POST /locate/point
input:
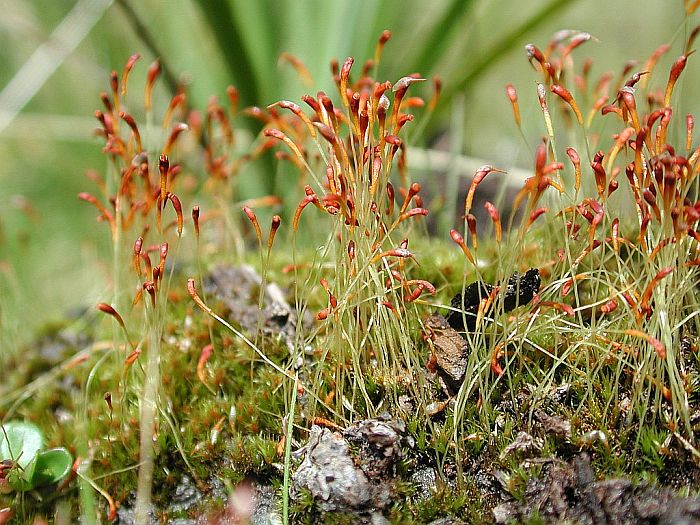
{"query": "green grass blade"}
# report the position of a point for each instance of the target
(234, 49)
(443, 34)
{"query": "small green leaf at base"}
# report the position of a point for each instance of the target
(20, 442)
(51, 466)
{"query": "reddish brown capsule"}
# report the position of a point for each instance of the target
(174, 134)
(202, 362)
(479, 176)
(437, 90)
(496, 219)
(459, 240)
(533, 53)
(138, 244)
(609, 306)
(108, 400)
(195, 220)
(109, 310)
(566, 96)
(535, 214)
(163, 168)
(616, 234)
(412, 213)
(576, 161)
(471, 225)
(390, 197)
(676, 70)
(299, 66)
(177, 206)
(513, 97)
(415, 294)
(176, 101)
(276, 221)
(233, 98)
(297, 214)
(665, 272)
(689, 125)
(163, 255)
(192, 290)
(150, 287)
(152, 75)
(254, 220)
(413, 190)
(127, 69)
(344, 78)
(655, 343)
(134, 129)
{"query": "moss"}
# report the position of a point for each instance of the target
(462, 502)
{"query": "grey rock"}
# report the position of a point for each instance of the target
(447, 521)
(554, 425)
(352, 471)
(238, 289)
(568, 493)
(379, 444)
(329, 473)
(126, 514)
(524, 443)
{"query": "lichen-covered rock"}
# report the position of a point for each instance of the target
(379, 444)
(447, 521)
(329, 473)
(554, 425)
(425, 482)
(568, 493)
(351, 471)
(523, 443)
(238, 289)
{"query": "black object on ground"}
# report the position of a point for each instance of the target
(519, 291)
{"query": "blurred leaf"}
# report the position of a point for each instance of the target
(444, 32)
(238, 52)
(472, 66)
(252, 35)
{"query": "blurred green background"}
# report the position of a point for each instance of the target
(56, 55)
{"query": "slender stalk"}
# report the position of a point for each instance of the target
(149, 409)
(288, 452)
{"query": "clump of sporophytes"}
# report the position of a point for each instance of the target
(141, 185)
(625, 281)
(347, 152)
(138, 190)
